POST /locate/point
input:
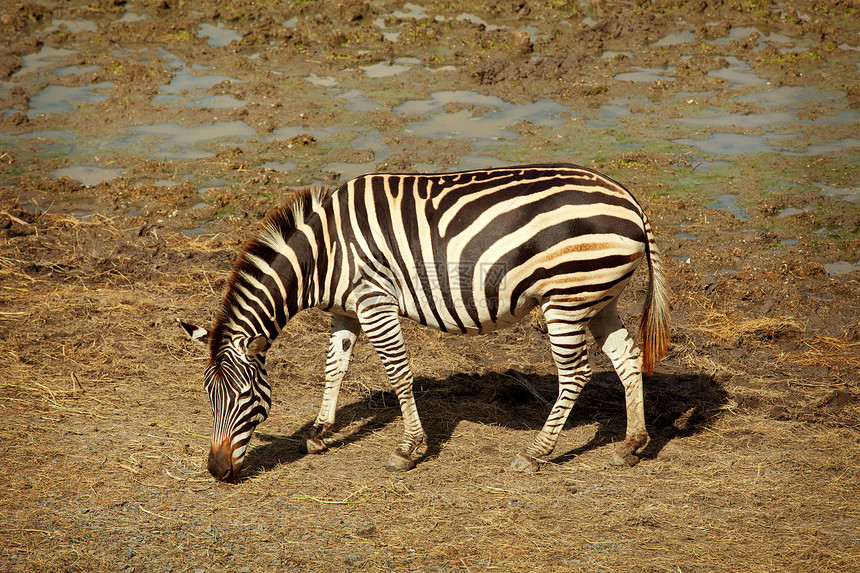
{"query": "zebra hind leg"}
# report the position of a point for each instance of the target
(344, 331)
(613, 338)
(567, 338)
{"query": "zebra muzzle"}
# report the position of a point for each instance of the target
(221, 464)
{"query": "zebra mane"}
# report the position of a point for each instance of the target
(274, 230)
(283, 220)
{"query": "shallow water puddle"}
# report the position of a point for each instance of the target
(472, 19)
(785, 96)
(184, 81)
(745, 120)
(726, 202)
(44, 136)
(218, 35)
(349, 171)
(388, 69)
(281, 166)
(325, 81)
(73, 26)
(86, 175)
(131, 17)
(738, 73)
(784, 107)
(841, 268)
(163, 141)
(357, 102)
(675, 39)
(734, 143)
(851, 194)
(415, 12)
(465, 123)
(742, 34)
(371, 140)
(610, 113)
(45, 57)
(480, 162)
(218, 102)
(849, 143)
(290, 131)
(74, 70)
(172, 141)
(646, 75)
(844, 118)
(409, 12)
(59, 99)
(609, 54)
(792, 211)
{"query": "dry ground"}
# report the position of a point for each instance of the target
(752, 463)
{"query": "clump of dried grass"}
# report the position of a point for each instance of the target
(728, 328)
(836, 353)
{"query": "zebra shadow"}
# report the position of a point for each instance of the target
(377, 411)
(676, 405)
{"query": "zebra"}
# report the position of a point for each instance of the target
(463, 252)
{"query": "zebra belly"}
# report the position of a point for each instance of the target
(485, 323)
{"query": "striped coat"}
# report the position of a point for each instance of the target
(462, 252)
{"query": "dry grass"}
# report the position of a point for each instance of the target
(737, 329)
(106, 429)
(841, 355)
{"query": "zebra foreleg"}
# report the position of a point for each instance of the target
(382, 326)
(567, 338)
(413, 436)
(613, 338)
(344, 331)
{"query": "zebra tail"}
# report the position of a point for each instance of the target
(654, 328)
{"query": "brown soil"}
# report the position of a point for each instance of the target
(754, 415)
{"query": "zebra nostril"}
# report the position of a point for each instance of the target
(220, 465)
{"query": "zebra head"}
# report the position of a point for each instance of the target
(240, 395)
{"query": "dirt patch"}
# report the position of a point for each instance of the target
(753, 416)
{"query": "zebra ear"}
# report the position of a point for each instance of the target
(256, 345)
(195, 333)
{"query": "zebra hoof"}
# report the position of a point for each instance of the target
(399, 463)
(313, 445)
(524, 464)
(628, 460)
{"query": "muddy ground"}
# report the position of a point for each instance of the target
(140, 142)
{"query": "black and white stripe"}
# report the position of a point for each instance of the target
(463, 252)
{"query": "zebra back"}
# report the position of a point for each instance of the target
(474, 251)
